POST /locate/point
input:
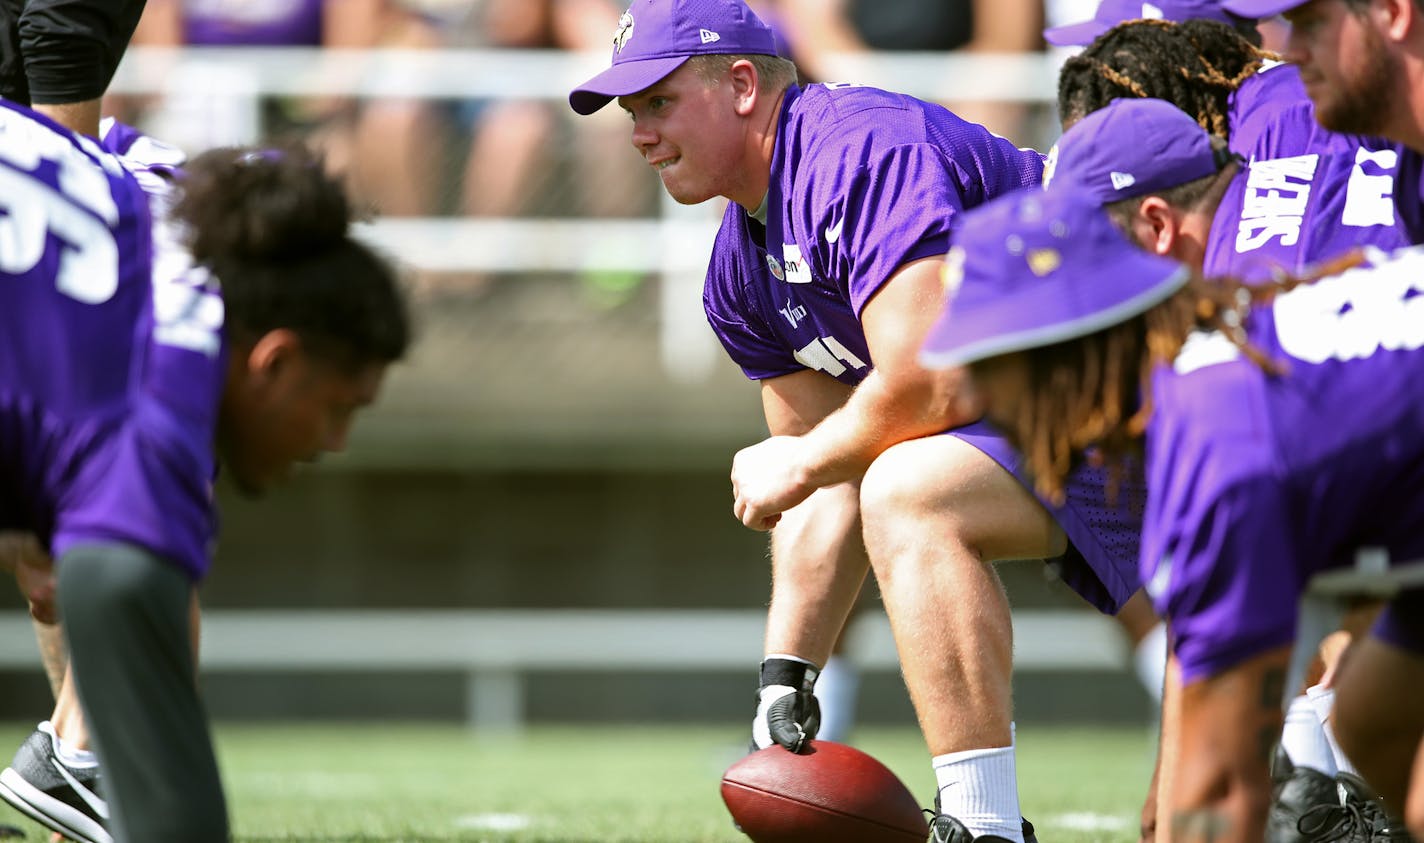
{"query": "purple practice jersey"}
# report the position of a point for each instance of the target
(864, 181)
(1409, 195)
(1287, 213)
(1260, 481)
(111, 353)
(1271, 116)
(273, 23)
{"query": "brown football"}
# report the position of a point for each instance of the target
(831, 793)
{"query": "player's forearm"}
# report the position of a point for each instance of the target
(880, 413)
(1221, 790)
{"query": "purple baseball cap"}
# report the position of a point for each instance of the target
(1260, 8)
(1034, 268)
(1133, 147)
(1110, 13)
(655, 37)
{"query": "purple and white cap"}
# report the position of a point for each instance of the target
(1110, 13)
(1133, 147)
(1034, 268)
(655, 37)
(1261, 8)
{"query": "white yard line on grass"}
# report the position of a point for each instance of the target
(493, 822)
(1086, 821)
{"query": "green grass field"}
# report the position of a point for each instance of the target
(391, 782)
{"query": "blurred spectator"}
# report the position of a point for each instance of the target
(819, 29)
(526, 156)
(385, 147)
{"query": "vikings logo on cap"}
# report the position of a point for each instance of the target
(623, 33)
(1043, 261)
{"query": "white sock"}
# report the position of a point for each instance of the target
(1149, 661)
(70, 755)
(1323, 700)
(1303, 737)
(836, 691)
(979, 787)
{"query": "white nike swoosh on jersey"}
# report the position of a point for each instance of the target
(833, 232)
(92, 799)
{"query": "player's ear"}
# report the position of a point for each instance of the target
(1155, 225)
(1396, 19)
(272, 354)
(743, 75)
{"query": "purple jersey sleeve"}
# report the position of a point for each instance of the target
(883, 182)
(112, 358)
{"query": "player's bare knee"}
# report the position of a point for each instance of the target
(893, 489)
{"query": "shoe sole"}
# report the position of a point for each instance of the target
(49, 812)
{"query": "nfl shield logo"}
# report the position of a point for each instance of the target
(775, 266)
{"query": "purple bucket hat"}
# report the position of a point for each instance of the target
(1034, 268)
(655, 37)
(1133, 147)
(1110, 13)
(1261, 8)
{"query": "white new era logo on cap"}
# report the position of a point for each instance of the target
(1121, 181)
(708, 36)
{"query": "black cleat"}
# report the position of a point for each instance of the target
(1382, 827)
(1297, 791)
(50, 792)
(947, 829)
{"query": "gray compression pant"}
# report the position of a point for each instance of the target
(125, 615)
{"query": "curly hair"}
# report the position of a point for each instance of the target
(1196, 65)
(274, 228)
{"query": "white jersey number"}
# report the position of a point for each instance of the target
(828, 355)
(1358, 313)
(78, 214)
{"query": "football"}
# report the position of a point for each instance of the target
(832, 793)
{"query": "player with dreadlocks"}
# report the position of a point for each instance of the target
(1220, 389)
(1232, 87)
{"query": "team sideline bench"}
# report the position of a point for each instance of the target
(494, 648)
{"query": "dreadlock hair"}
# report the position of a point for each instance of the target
(274, 228)
(1093, 393)
(1196, 65)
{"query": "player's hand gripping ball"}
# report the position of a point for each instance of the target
(827, 793)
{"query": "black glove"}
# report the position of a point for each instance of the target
(787, 711)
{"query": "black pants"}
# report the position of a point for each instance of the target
(125, 616)
(62, 51)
